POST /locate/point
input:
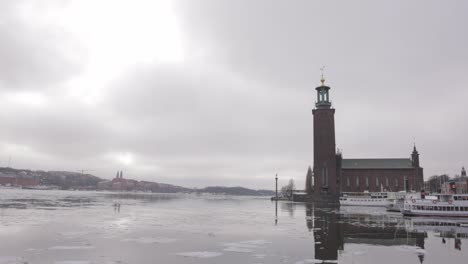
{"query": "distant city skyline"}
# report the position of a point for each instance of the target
(220, 92)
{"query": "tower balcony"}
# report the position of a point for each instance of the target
(323, 104)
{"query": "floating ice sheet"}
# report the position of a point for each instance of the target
(70, 247)
(200, 254)
(150, 240)
(12, 260)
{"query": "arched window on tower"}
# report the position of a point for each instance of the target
(386, 182)
(396, 183)
(347, 182)
(357, 181)
(325, 176)
(367, 182)
(377, 181)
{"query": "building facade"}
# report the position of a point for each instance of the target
(332, 174)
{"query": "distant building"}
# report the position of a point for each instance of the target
(455, 187)
(463, 172)
(18, 178)
(332, 174)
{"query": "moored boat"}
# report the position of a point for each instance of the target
(395, 201)
(443, 205)
(364, 199)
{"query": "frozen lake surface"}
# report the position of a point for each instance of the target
(71, 227)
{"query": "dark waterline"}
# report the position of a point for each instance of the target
(90, 227)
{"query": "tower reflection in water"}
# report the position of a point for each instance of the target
(333, 230)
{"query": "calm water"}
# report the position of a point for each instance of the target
(88, 227)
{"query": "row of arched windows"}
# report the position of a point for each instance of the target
(386, 182)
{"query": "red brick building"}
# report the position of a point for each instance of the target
(375, 175)
(332, 174)
(17, 181)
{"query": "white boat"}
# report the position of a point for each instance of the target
(364, 199)
(395, 201)
(444, 205)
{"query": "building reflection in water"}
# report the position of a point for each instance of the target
(328, 233)
(444, 228)
(332, 229)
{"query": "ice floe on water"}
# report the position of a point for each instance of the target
(259, 256)
(32, 249)
(245, 246)
(150, 240)
(73, 262)
(238, 249)
(12, 260)
(73, 234)
(248, 244)
(71, 247)
(200, 254)
(413, 249)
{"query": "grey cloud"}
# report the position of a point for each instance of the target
(238, 109)
(34, 56)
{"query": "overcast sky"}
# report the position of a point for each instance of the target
(200, 93)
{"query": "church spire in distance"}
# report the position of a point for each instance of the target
(415, 157)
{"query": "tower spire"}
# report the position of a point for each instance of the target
(322, 79)
(323, 98)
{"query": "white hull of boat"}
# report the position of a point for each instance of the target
(350, 201)
(445, 207)
(378, 199)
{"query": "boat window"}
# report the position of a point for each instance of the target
(456, 208)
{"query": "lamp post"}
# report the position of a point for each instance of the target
(276, 178)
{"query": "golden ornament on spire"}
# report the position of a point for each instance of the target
(322, 80)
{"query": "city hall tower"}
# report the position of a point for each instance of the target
(325, 165)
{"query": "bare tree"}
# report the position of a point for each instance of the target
(288, 189)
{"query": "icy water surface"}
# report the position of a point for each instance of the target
(65, 227)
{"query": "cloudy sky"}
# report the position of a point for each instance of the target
(217, 92)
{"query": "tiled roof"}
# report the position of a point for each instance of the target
(376, 164)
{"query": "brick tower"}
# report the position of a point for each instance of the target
(325, 171)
